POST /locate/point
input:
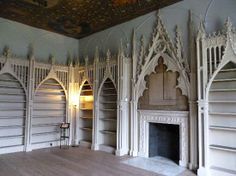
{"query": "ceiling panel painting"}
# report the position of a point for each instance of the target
(77, 18)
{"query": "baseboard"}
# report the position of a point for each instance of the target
(133, 153)
(122, 152)
(202, 172)
(28, 148)
(45, 145)
(218, 171)
(95, 147)
(183, 163)
(85, 144)
(108, 149)
(192, 166)
(12, 149)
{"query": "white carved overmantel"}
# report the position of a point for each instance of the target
(144, 64)
(165, 117)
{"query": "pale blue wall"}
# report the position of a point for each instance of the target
(214, 12)
(18, 37)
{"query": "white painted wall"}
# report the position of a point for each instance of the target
(214, 13)
(18, 37)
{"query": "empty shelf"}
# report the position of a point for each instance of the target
(11, 137)
(108, 132)
(223, 113)
(222, 101)
(87, 90)
(222, 90)
(223, 128)
(225, 80)
(12, 117)
(86, 129)
(12, 87)
(45, 133)
(85, 143)
(223, 170)
(223, 148)
(228, 70)
(87, 118)
(13, 109)
(108, 102)
(109, 88)
(12, 126)
(109, 94)
(107, 109)
(86, 109)
(12, 101)
(108, 119)
(47, 109)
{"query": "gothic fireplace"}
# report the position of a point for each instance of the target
(164, 133)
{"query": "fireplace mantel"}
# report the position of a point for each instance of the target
(165, 117)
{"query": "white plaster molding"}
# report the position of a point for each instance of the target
(160, 46)
(165, 117)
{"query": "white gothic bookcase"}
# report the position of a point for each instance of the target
(216, 55)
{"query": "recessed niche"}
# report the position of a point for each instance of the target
(161, 92)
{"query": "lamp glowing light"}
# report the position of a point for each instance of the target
(75, 100)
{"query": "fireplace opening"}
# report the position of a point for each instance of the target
(164, 141)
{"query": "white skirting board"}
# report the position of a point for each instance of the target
(12, 149)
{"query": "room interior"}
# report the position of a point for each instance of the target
(145, 86)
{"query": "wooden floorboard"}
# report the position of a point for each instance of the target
(63, 162)
(67, 162)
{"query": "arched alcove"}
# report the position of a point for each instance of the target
(221, 127)
(107, 117)
(86, 115)
(12, 113)
(49, 110)
(161, 92)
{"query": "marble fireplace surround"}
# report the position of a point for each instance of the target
(165, 117)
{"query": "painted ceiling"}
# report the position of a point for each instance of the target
(77, 18)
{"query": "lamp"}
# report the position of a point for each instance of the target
(75, 100)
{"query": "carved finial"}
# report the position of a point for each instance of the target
(30, 51)
(121, 46)
(134, 45)
(108, 56)
(78, 63)
(201, 30)
(96, 55)
(86, 61)
(178, 44)
(76, 60)
(69, 59)
(228, 26)
(7, 51)
(190, 15)
(51, 59)
(159, 21)
(158, 14)
(190, 21)
(121, 49)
